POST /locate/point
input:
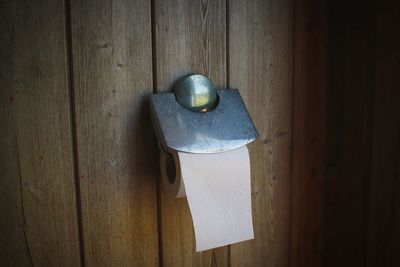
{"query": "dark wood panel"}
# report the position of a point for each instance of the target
(260, 67)
(190, 37)
(361, 222)
(111, 47)
(350, 98)
(384, 202)
(308, 137)
(38, 224)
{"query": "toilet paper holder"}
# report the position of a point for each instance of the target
(225, 125)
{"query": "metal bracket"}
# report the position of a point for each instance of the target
(228, 126)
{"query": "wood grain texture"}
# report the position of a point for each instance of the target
(189, 37)
(260, 66)
(384, 217)
(308, 137)
(361, 217)
(111, 46)
(350, 109)
(38, 224)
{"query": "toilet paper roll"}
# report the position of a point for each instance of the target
(218, 190)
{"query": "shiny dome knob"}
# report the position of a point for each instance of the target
(196, 92)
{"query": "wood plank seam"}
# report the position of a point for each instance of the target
(227, 56)
(75, 158)
(292, 19)
(158, 178)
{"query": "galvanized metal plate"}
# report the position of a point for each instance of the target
(225, 128)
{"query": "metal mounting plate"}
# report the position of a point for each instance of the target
(225, 128)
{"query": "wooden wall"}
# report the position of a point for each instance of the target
(308, 137)
(361, 206)
(345, 134)
(38, 198)
(79, 176)
(79, 163)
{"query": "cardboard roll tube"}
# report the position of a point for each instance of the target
(171, 174)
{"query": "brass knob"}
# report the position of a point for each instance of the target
(196, 92)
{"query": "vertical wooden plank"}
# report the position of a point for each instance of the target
(260, 66)
(384, 221)
(38, 224)
(350, 106)
(308, 137)
(111, 46)
(190, 37)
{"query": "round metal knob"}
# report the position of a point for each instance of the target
(196, 92)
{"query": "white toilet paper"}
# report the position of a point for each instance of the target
(218, 190)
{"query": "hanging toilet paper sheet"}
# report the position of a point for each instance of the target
(218, 190)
